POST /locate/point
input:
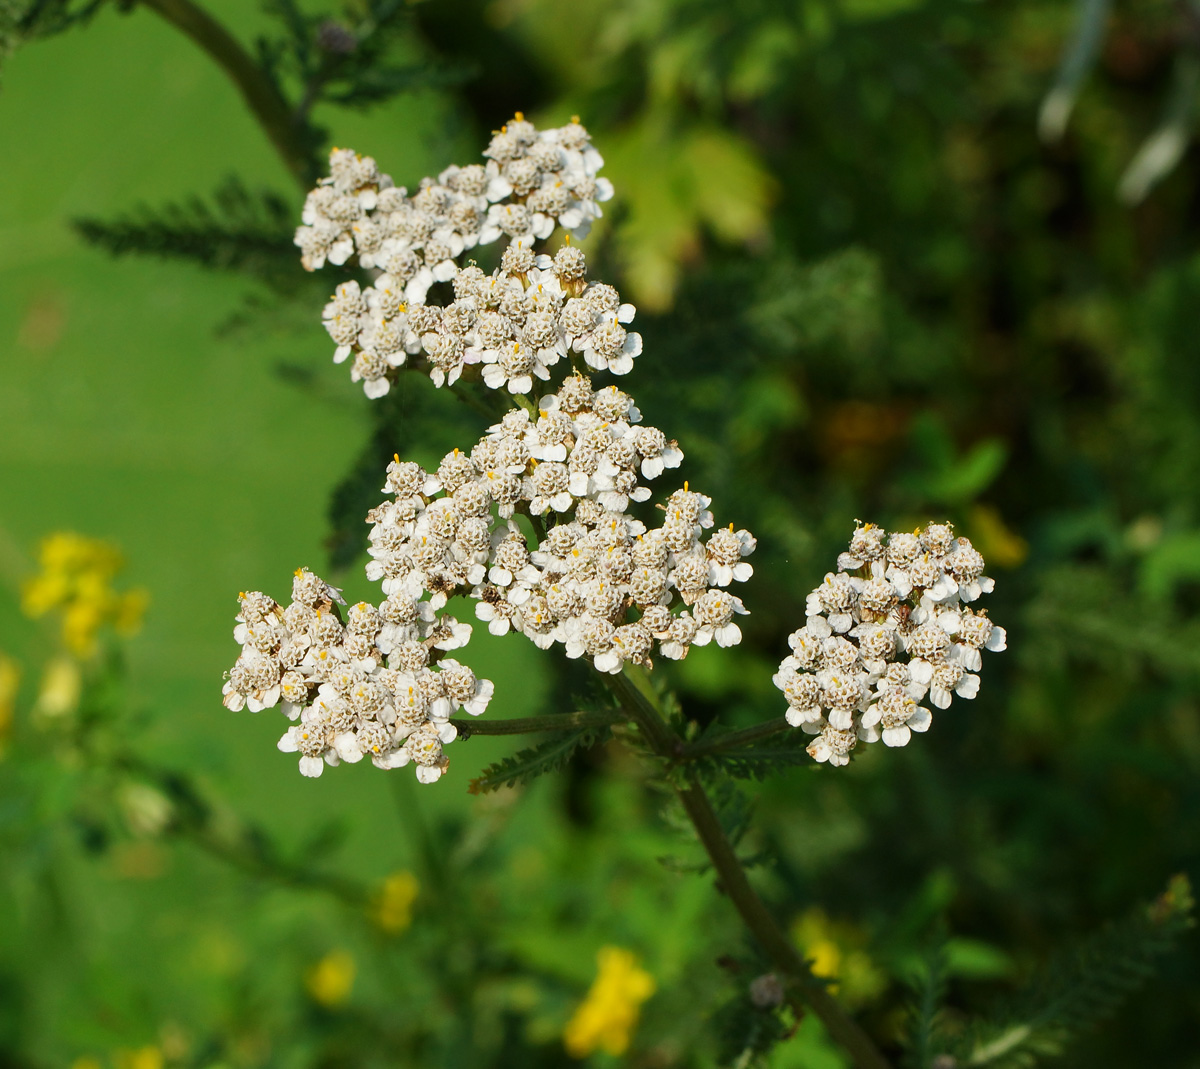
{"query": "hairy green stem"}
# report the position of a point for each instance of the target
(531, 725)
(260, 93)
(635, 692)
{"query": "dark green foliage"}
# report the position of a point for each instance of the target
(1081, 988)
(760, 759)
(42, 18)
(528, 764)
(360, 490)
(22, 21)
(944, 316)
(747, 1033)
(928, 985)
(734, 810)
(413, 415)
(352, 59)
(235, 230)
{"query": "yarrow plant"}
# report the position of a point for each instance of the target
(539, 521)
(515, 323)
(331, 678)
(562, 522)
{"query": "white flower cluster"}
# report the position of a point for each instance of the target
(534, 521)
(533, 181)
(514, 323)
(329, 677)
(892, 626)
(573, 472)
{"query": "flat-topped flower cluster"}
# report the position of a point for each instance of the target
(536, 522)
(597, 581)
(892, 627)
(533, 522)
(328, 676)
(510, 326)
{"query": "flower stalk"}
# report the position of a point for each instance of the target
(533, 725)
(732, 740)
(634, 691)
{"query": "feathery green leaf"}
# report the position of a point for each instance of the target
(1082, 987)
(536, 761)
(239, 230)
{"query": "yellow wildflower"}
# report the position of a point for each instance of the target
(66, 551)
(392, 907)
(129, 609)
(834, 952)
(605, 1020)
(76, 578)
(62, 684)
(330, 980)
(10, 678)
(143, 1058)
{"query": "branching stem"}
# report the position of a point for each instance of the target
(733, 739)
(284, 128)
(532, 725)
(245, 848)
(637, 696)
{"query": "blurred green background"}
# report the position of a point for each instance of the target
(867, 290)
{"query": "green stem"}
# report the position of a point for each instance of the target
(731, 740)
(529, 725)
(260, 93)
(769, 935)
(637, 695)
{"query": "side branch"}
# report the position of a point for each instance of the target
(532, 725)
(259, 92)
(731, 740)
(247, 850)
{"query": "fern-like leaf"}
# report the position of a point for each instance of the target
(746, 1033)
(925, 1010)
(1082, 988)
(239, 230)
(536, 761)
